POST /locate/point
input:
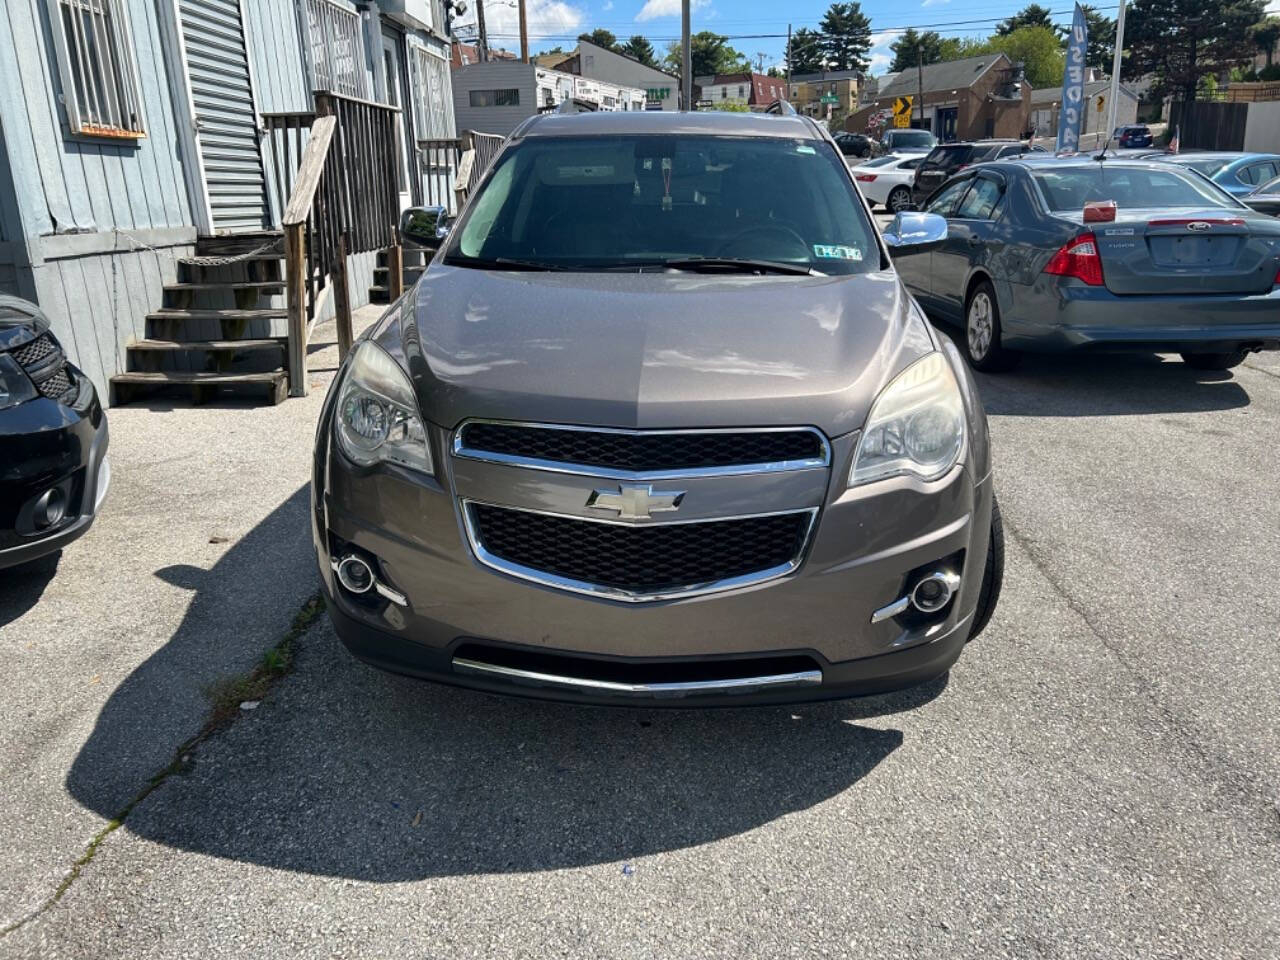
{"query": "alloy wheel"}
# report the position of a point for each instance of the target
(979, 326)
(899, 198)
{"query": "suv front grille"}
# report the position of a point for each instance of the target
(603, 451)
(638, 562)
(46, 365)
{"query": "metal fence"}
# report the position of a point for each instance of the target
(334, 42)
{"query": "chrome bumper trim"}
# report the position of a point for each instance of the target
(387, 593)
(892, 610)
(681, 689)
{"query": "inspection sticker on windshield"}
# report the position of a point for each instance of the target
(825, 251)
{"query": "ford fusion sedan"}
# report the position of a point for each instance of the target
(660, 424)
(1053, 254)
(53, 440)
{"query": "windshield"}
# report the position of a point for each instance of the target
(948, 158)
(912, 138)
(1208, 166)
(1270, 189)
(881, 161)
(630, 202)
(1131, 187)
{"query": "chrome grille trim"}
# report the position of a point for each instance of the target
(460, 449)
(672, 689)
(558, 582)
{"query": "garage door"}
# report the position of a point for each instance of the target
(226, 126)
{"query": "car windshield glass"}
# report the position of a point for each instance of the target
(948, 158)
(631, 202)
(1130, 187)
(1270, 189)
(912, 138)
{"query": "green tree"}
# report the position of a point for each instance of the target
(1032, 15)
(806, 51)
(710, 53)
(1038, 48)
(957, 48)
(601, 38)
(1181, 41)
(846, 36)
(1266, 35)
(1102, 40)
(912, 48)
(640, 49)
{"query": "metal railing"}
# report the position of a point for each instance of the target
(334, 42)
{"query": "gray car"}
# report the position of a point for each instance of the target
(660, 424)
(1046, 254)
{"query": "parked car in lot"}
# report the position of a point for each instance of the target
(53, 440)
(1132, 136)
(947, 159)
(1265, 199)
(660, 423)
(887, 180)
(855, 144)
(906, 141)
(1053, 254)
(1237, 173)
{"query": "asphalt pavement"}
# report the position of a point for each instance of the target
(1097, 776)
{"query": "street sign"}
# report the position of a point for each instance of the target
(829, 98)
(902, 111)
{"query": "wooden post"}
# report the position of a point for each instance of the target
(295, 257)
(341, 299)
(395, 271)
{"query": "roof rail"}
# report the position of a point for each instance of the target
(782, 108)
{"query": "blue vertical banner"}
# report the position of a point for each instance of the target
(1071, 115)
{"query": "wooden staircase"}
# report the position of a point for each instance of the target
(416, 259)
(221, 326)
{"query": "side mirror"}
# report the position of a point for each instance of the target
(425, 226)
(913, 232)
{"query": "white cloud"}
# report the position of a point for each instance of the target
(879, 63)
(882, 38)
(547, 18)
(653, 9)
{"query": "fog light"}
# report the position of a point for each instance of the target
(935, 591)
(50, 508)
(355, 575)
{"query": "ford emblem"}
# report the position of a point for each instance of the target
(1198, 225)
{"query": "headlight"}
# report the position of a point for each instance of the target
(377, 415)
(15, 386)
(916, 426)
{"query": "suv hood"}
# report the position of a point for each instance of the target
(654, 350)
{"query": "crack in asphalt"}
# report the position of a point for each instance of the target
(182, 758)
(1223, 775)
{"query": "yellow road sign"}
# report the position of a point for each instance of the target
(902, 106)
(902, 119)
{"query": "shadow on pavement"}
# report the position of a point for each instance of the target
(349, 772)
(22, 586)
(1105, 385)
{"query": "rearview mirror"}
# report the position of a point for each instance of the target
(425, 226)
(912, 232)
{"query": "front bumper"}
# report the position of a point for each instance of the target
(45, 444)
(866, 543)
(1090, 317)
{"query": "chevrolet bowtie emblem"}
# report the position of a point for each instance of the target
(635, 501)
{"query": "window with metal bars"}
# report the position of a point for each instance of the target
(335, 41)
(432, 94)
(100, 88)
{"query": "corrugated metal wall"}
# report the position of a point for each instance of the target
(218, 65)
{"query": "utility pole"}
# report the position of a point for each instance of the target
(482, 36)
(686, 57)
(760, 62)
(524, 34)
(920, 81)
(1115, 78)
(788, 61)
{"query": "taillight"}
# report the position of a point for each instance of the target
(1078, 258)
(865, 177)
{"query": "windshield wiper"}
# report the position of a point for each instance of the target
(502, 263)
(739, 265)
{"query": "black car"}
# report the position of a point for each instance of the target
(53, 440)
(946, 159)
(1133, 135)
(855, 144)
(1266, 199)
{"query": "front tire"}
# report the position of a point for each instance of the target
(992, 574)
(1215, 361)
(982, 331)
(899, 197)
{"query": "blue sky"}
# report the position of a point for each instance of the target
(557, 22)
